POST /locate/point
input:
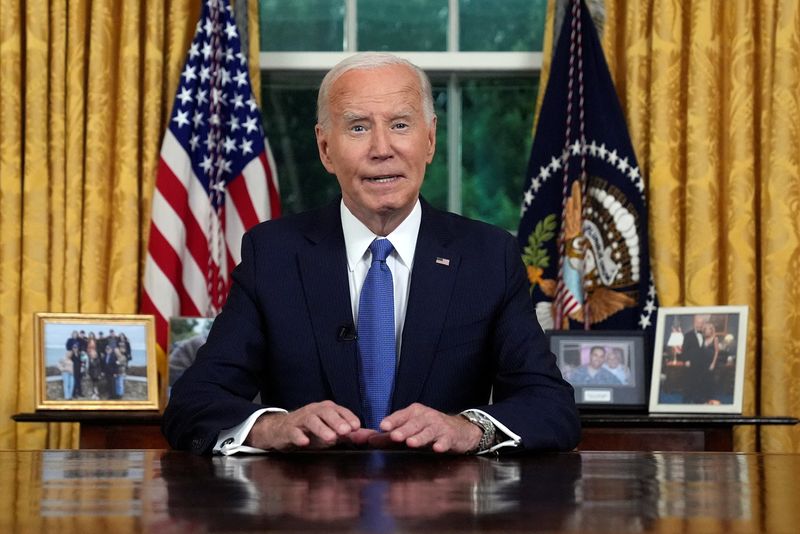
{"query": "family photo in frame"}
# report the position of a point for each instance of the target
(95, 362)
(699, 360)
(606, 369)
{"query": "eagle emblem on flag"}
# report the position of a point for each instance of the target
(583, 229)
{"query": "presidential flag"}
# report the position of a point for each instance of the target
(216, 177)
(583, 229)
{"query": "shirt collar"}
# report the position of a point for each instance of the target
(357, 237)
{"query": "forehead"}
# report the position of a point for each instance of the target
(392, 86)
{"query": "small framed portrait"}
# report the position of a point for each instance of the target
(698, 360)
(606, 369)
(186, 336)
(95, 362)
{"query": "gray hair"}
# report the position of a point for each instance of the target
(368, 61)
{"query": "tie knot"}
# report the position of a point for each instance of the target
(380, 249)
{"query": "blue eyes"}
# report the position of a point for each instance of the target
(359, 128)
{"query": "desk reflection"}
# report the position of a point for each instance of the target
(374, 492)
(172, 492)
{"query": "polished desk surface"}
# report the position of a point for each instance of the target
(119, 491)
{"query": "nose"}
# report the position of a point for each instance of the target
(381, 144)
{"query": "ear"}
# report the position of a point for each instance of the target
(431, 140)
(323, 146)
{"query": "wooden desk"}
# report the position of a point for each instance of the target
(666, 432)
(616, 432)
(107, 430)
(159, 491)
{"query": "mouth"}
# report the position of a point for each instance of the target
(383, 179)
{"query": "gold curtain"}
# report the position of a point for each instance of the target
(709, 90)
(86, 87)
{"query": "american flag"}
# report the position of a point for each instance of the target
(216, 177)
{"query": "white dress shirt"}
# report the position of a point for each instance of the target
(357, 239)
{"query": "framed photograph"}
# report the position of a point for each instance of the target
(606, 369)
(698, 360)
(95, 362)
(186, 335)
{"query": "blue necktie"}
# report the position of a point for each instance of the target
(376, 336)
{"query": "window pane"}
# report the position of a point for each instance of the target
(409, 25)
(435, 187)
(497, 119)
(289, 108)
(507, 26)
(302, 25)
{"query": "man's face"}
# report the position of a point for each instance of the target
(613, 359)
(699, 321)
(377, 142)
(597, 357)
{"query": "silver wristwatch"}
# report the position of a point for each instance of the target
(488, 439)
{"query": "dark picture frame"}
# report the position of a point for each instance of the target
(704, 374)
(607, 369)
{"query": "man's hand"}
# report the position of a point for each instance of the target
(315, 426)
(418, 426)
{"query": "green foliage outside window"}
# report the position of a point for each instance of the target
(496, 112)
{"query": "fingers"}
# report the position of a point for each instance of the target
(298, 438)
(358, 437)
(420, 426)
(317, 425)
(325, 421)
(324, 424)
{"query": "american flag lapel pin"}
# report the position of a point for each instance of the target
(443, 261)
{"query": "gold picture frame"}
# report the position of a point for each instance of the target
(95, 362)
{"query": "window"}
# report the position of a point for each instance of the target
(483, 58)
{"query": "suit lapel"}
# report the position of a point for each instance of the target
(432, 280)
(323, 268)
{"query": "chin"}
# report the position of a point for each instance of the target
(392, 204)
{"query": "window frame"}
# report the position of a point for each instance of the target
(451, 65)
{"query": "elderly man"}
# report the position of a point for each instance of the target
(378, 320)
(615, 364)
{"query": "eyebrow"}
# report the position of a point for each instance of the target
(353, 116)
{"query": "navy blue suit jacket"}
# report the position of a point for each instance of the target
(470, 330)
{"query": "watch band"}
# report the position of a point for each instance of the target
(489, 431)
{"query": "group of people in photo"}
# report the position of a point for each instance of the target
(606, 367)
(94, 366)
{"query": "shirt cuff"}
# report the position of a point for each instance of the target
(501, 431)
(231, 440)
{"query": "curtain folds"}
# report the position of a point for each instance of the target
(709, 90)
(86, 90)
